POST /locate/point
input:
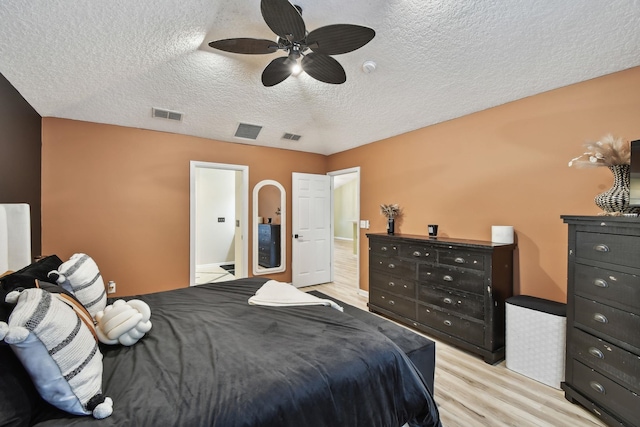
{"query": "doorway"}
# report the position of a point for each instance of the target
(218, 222)
(346, 233)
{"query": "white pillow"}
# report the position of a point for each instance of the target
(58, 351)
(81, 277)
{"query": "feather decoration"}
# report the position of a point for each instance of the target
(609, 151)
(390, 211)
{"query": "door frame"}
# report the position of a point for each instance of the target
(244, 214)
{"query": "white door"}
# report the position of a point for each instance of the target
(311, 225)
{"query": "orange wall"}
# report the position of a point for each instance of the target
(502, 166)
(121, 195)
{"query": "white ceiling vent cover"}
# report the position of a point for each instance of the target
(248, 131)
(166, 114)
(291, 136)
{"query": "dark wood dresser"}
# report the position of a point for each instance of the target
(269, 245)
(451, 289)
(603, 317)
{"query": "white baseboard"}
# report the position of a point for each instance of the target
(363, 293)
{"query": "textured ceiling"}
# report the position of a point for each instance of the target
(112, 61)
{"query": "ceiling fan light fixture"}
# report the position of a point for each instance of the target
(296, 69)
(285, 20)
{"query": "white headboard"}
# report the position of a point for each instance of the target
(15, 236)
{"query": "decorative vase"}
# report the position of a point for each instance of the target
(616, 199)
(391, 226)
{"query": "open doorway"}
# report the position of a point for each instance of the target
(346, 215)
(219, 217)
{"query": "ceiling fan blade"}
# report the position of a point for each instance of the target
(277, 71)
(245, 45)
(324, 68)
(284, 19)
(339, 38)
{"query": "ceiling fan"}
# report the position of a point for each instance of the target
(286, 21)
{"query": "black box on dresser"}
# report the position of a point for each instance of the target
(603, 317)
(451, 289)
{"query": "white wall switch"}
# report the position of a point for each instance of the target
(364, 223)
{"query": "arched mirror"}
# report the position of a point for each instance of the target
(269, 225)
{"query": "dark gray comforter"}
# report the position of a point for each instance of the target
(211, 359)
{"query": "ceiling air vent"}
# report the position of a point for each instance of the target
(166, 114)
(291, 136)
(248, 131)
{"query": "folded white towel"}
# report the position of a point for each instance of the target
(279, 294)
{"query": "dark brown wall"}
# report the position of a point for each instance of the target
(20, 155)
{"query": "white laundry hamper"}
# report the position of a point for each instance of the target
(536, 338)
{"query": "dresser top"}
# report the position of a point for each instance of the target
(626, 220)
(444, 241)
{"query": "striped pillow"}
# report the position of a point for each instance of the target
(80, 276)
(58, 351)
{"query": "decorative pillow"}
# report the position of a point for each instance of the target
(58, 351)
(25, 278)
(123, 322)
(80, 275)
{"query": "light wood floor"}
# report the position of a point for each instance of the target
(468, 391)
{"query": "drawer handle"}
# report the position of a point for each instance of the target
(596, 353)
(391, 302)
(448, 278)
(392, 284)
(447, 301)
(597, 387)
(601, 283)
(383, 249)
(601, 248)
(600, 318)
(416, 253)
(459, 260)
(392, 266)
(448, 323)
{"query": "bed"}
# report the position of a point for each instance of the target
(211, 359)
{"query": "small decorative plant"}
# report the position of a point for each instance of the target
(614, 153)
(609, 151)
(390, 211)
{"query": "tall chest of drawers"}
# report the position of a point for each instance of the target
(602, 370)
(269, 245)
(452, 289)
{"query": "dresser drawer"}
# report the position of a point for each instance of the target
(393, 266)
(471, 305)
(394, 303)
(418, 252)
(383, 248)
(607, 393)
(610, 248)
(606, 358)
(609, 321)
(448, 323)
(465, 280)
(462, 259)
(602, 284)
(394, 285)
